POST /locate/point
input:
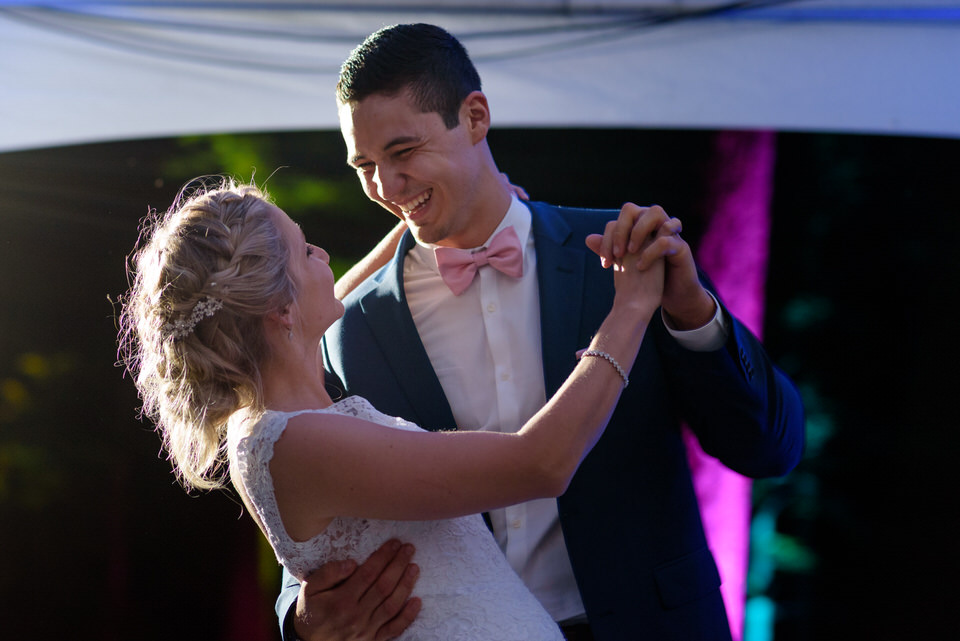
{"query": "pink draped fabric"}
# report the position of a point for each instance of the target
(734, 252)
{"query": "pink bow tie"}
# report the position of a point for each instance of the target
(459, 266)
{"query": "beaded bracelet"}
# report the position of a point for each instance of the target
(612, 361)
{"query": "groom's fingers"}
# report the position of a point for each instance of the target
(384, 571)
(367, 601)
(328, 604)
(328, 576)
(388, 597)
(401, 621)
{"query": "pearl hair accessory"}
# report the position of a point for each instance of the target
(205, 307)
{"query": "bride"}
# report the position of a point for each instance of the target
(221, 331)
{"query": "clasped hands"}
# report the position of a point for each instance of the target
(372, 600)
(650, 234)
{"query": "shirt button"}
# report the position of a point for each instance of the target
(516, 523)
(491, 307)
(504, 377)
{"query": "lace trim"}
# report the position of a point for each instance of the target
(468, 589)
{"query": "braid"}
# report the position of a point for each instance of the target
(194, 370)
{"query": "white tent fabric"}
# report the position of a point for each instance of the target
(75, 72)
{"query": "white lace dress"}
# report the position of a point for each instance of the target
(469, 592)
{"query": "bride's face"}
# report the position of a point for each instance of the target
(309, 268)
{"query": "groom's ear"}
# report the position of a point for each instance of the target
(475, 115)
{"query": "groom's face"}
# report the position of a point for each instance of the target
(411, 164)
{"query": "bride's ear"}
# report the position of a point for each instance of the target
(282, 318)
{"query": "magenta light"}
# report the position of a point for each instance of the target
(734, 251)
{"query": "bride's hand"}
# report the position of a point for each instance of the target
(639, 282)
(685, 302)
(638, 274)
(516, 190)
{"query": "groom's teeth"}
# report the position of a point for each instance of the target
(410, 206)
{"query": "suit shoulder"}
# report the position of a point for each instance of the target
(580, 221)
(369, 284)
(582, 215)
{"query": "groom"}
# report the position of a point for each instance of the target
(622, 554)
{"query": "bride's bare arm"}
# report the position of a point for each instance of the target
(366, 266)
(331, 465)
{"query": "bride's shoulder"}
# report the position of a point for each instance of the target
(246, 425)
(353, 406)
(270, 424)
(362, 408)
(247, 422)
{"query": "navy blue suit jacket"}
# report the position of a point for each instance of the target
(630, 515)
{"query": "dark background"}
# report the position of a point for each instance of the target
(98, 542)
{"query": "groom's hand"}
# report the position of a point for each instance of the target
(370, 602)
(686, 302)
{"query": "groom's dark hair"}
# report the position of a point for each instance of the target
(423, 58)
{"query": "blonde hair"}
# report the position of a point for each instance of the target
(219, 244)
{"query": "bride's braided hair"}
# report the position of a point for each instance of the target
(194, 361)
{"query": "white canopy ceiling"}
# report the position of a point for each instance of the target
(76, 72)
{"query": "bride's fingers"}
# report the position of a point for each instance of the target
(625, 233)
(594, 242)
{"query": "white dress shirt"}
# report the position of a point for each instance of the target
(484, 346)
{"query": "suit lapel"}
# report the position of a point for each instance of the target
(389, 319)
(560, 273)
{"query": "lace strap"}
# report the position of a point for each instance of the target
(253, 455)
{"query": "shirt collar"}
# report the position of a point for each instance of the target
(517, 215)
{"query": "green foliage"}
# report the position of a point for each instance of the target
(305, 176)
(29, 478)
(804, 312)
(31, 470)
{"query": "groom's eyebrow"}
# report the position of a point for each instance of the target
(399, 140)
